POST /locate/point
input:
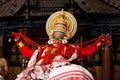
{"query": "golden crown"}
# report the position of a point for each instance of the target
(62, 18)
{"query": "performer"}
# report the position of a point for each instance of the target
(52, 61)
(3, 67)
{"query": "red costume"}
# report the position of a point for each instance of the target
(70, 49)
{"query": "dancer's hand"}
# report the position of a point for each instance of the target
(107, 39)
(17, 36)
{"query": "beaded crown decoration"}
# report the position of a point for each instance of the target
(61, 24)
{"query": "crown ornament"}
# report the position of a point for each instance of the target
(61, 24)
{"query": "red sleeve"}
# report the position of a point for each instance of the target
(87, 51)
(26, 51)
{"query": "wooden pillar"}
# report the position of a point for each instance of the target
(1, 46)
(107, 63)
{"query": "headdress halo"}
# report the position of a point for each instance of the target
(72, 28)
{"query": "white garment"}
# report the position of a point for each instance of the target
(60, 69)
(68, 72)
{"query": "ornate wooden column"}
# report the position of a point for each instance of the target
(107, 63)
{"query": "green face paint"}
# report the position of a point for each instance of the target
(58, 37)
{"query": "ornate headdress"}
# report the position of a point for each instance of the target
(66, 22)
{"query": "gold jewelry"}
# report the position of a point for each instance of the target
(20, 44)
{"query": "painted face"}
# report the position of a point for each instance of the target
(60, 28)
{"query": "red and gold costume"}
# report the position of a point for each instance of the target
(65, 50)
(60, 27)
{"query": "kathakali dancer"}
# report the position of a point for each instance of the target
(53, 61)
